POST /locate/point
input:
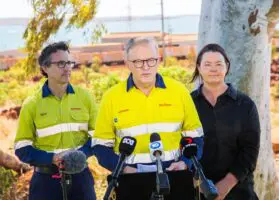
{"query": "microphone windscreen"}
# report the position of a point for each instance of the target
(154, 137)
(156, 146)
(74, 161)
(188, 147)
(127, 145)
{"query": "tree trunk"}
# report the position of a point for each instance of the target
(242, 28)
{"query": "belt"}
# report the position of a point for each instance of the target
(47, 170)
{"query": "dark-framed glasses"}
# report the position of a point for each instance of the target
(62, 64)
(151, 62)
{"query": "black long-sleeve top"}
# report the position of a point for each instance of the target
(231, 135)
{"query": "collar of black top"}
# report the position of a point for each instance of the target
(231, 91)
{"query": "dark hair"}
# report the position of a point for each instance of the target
(45, 57)
(210, 48)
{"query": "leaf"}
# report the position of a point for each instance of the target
(49, 15)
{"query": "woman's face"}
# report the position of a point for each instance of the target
(213, 68)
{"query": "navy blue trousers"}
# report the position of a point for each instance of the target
(44, 187)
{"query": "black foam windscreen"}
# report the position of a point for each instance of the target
(74, 161)
(188, 147)
(127, 145)
(154, 137)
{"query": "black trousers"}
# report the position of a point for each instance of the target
(44, 187)
(242, 191)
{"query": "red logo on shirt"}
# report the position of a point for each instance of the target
(75, 108)
(125, 110)
(164, 104)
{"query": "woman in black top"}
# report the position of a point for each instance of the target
(231, 126)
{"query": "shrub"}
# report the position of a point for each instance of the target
(178, 73)
(100, 85)
(171, 61)
(6, 180)
(96, 64)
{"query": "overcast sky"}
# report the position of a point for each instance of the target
(108, 8)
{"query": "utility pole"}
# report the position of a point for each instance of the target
(163, 32)
(129, 16)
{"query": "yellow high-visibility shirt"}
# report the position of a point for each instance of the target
(167, 110)
(55, 125)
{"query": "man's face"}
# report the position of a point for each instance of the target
(143, 62)
(59, 71)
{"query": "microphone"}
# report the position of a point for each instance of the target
(156, 150)
(126, 148)
(73, 162)
(156, 153)
(189, 150)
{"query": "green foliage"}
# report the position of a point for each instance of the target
(15, 92)
(96, 63)
(15, 86)
(6, 180)
(178, 73)
(16, 72)
(171, 61)
(98, 32)
(84, 75)
(100, 85)
(48, 17)
(4, 97)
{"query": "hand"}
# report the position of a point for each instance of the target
(129, 170)
(57, 158)
(176, 166)
(24, 168)
(225, 185)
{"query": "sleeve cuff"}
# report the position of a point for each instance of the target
(86, 149)
(188, 162)
(238, 173)
(34, 156)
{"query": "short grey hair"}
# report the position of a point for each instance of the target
(139, 40)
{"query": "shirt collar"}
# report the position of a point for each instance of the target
(159, 82)
(231, 91)
(47, 92)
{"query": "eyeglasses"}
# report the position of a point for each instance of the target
(62, 64)
(151, 62)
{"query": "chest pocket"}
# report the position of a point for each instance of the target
(46, 118)
(170, 112)
(79, 116)
(125, 118)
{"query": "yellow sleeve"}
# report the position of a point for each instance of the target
(192, 126)
(25, 134)
(92, 113)
(104, 130)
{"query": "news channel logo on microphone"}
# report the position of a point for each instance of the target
(155, 145)
(128, 141)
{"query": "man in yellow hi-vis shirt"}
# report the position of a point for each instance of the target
(144, 104)
(58, 118)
